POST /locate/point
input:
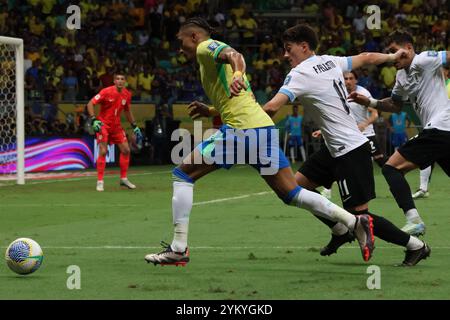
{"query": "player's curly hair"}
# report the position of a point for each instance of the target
(198, 22)
(300, 33)
(400, 37)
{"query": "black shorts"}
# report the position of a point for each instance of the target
(429, 146)
(374, 147)
(353, 173)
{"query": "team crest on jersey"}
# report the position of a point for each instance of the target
(97, 97)
(124, 102)
(288, 79)
(213, 46)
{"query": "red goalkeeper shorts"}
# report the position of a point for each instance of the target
(111, 135)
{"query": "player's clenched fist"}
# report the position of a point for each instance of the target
(358, 98)
(198, 109)
(96, 124)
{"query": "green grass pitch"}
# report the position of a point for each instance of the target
(249, 247)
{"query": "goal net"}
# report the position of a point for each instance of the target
(12, 136)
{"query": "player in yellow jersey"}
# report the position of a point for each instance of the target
(247, 136)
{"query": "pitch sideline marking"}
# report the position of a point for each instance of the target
(130, 205)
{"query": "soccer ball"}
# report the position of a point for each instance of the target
(24, 256)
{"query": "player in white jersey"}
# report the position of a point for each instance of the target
(318, 83)
(419, 79)
(425, 174)
(364, 116)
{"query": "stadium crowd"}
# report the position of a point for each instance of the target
(139, 36)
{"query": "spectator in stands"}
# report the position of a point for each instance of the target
(145, 80)
(359, 22)
(387, 77)
(107, 78)
(84, 84)
(70, 86)
(275, 76)
(364, 79)
(190, 88)
(249, 26)
(233, 31)
(266, 48)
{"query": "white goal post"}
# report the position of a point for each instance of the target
(12, 139)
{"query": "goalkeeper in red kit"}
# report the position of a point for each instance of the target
(108, 127)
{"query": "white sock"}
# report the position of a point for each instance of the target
(414, 243)
(339, 229)
(322, 207)
(412, 215)
(302, 150)
(425, 178)
(183, 197)
(292, 154)
(180, 235)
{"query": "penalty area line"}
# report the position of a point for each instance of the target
(232, 198)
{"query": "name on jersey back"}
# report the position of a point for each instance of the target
(322, 67)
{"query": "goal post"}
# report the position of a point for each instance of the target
(12, 99)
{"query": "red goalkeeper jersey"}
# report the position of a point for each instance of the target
(112, 102)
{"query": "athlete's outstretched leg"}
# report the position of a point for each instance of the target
(285, 186)
(394, 171)
(184, 177)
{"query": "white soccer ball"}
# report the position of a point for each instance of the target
(24, 256)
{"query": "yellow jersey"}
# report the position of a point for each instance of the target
(240, 112)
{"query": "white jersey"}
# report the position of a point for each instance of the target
(424, 85)
(318, 83)
(360, 112)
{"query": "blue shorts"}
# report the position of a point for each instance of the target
(295, 141)
(399, 139)
(258, 147)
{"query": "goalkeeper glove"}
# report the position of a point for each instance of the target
(137, 131)
(96, 124)
(138, 135)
